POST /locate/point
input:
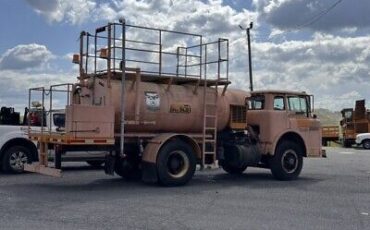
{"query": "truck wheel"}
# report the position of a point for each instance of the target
(366, 144)
(287, 162)
(14, 159)
(95, 164)
(175, 163)
(232, 169)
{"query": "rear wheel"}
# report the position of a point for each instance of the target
(366, 144)
(176, 163)
(15, 158)
(287, 162)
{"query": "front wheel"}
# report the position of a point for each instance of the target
(15, 158)
(287, 162)
(366, 144)
(176, 163)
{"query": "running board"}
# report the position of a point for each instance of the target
(41, 169)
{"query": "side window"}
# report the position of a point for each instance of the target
(298, 105)
(256, 102)
(279, 103)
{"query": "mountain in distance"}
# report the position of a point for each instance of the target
(328, 117)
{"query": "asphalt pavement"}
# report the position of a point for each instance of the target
(331, 193)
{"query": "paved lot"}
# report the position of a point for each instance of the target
(332, 193)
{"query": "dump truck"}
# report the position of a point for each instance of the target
(354, 121)
(161, 108)
(329, 133)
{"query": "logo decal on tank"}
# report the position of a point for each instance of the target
(180, 108)
(152, 101)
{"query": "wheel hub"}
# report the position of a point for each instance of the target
(17, 160)
(289, 161)
(177, 164)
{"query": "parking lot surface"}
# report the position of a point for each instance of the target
(331, 193)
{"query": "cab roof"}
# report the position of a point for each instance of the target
(286, 92)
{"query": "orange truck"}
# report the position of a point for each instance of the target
(354, 122)
(329, 133)
(161, 108)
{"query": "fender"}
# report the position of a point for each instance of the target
(287, 133)
(151, 150)
(9, 134)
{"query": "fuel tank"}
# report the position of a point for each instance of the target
(158, 107)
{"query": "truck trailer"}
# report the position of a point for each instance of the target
(161, 104)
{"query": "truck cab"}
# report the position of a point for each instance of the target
(283, 120)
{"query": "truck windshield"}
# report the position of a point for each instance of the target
(298, 104)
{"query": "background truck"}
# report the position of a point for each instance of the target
(176, 111)
(354, 121)
(329, 133)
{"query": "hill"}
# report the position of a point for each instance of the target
(328, 117)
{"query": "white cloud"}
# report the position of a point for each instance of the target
(73, 12)
(25, 57)
(291, 14)
(334, 68)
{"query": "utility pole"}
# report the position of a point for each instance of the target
(249, 54)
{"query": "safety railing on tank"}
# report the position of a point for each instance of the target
(156, 52)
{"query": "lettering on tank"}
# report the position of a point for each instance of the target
(180, 108)
(152, 101)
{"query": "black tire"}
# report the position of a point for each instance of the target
(95, 164)
(176, 163)
(287, 162)
(14, 159)
(366, 144)
(232, 169)
(128, 170)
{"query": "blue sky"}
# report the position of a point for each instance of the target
(317, 46)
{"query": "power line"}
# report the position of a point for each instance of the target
(309, 22)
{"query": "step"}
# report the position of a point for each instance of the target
(210, 141)
(210, 116)
(209, 153)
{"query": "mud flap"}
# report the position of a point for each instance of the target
(150, 175)
(109, 166)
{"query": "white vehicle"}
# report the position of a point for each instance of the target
(363, 139)
(16, 149)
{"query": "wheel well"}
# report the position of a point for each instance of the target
(20, 142)
(191, 142)
(367, 139)
(294, 137)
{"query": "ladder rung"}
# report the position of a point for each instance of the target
(211, 104)
(209, 153)
(210, 128)
(211, 116)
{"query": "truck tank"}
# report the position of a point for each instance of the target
(158, 107)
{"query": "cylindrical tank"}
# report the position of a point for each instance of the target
(160, 107)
